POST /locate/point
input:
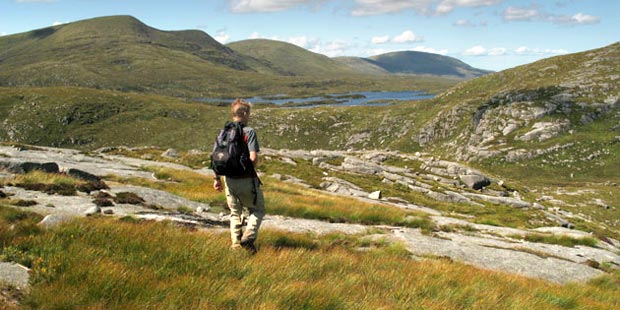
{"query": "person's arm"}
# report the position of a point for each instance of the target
(217, 183)
(254, 158)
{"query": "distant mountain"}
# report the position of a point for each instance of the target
(117, 52)
(362, 65)
(286, 59)
(410, 62)
(122, 53)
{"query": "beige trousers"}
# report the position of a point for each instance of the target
(244, 194)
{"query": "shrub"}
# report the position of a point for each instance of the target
(129, 198)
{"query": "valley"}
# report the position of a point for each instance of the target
(511, 177)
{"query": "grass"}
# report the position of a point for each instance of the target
(163, 266)
(560, 240)
(285, 199)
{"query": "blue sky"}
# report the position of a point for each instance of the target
(487, 34)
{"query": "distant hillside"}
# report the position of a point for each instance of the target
(410, 62)
(122, 53)
(286, 59)
(362, 65)
(559, 116)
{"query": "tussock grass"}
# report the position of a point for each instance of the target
(39, 177)
(294, 201)
(561, 240)
(96, 266)
(285, 199)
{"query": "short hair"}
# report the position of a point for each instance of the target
(240, 107)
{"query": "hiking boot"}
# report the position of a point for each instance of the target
(235, 246)
(249, 246)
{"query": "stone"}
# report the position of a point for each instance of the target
(83, 175)
(14, 275)
(475, 181)
(171, 153)
(53, 220)
(375, 195)
(92, 211)
(289, 161)
(25, 167)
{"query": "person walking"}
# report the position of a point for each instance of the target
(243, 192)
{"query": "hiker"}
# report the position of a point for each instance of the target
(243, 191)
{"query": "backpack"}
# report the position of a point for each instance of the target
(230, 156)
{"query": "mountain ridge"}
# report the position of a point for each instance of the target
(123, 53)
(413, 62)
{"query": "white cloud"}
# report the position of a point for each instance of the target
(248, 6)
(534, 14)
(463, 23)
(577, 19)
(425, 7)
(524, 50)
(430, 50)
(3, 34)
(407, 37)
(477, 50)
(256, 35)
(222, 37)
(377, 7)
(380, 40)
(497, 51)
(447, 6)
(377, 51)
(521, 50)
(58, 23)
(332, 49)
(480, 50)
(521, 14)
(303, 41)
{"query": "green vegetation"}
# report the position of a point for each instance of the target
(95, 265)
(411, 62)
(121, 53)
(561, 240)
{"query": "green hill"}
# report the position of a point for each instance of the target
(558, 113)
(122, 53)
(286, 59)
(362, 65)
(117, 52)
(410, 62)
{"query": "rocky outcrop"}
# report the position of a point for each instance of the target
(484, 246)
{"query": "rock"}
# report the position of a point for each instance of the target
(14, 275)
(475, 181)
(289, 161)
(83, 175)
(339, 186)
(53, 220)
(92, 211)
(171, 153)
(355, 165)
(375, 195)
(25, 167)
(500, 200)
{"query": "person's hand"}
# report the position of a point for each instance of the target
(217, 185)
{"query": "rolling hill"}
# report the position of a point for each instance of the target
(286, 58)
(122, 53)
(116, 52)
(411, 62)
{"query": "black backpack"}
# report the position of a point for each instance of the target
(230, 156)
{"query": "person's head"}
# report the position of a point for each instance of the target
(241, 111)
